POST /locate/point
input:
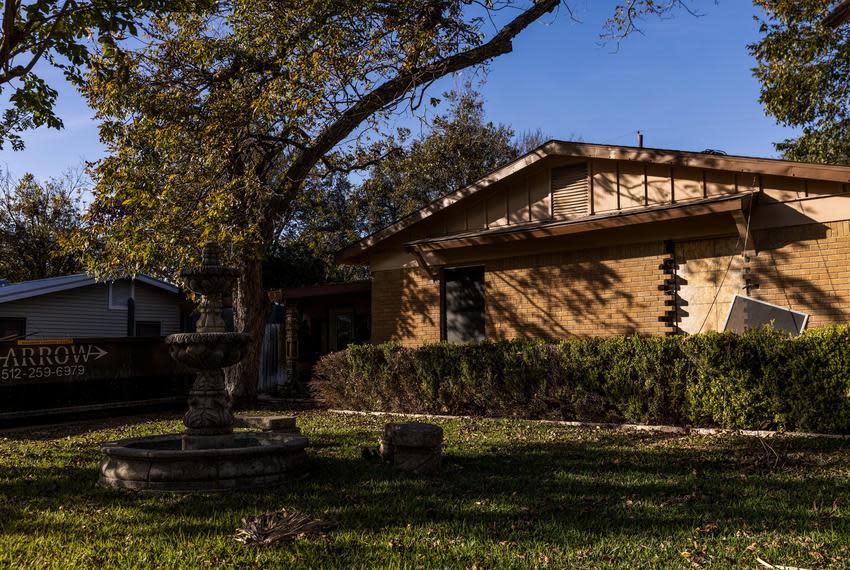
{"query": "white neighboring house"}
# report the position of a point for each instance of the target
(76, 306)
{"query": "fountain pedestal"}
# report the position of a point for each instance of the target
(207, 456)
(209, 421)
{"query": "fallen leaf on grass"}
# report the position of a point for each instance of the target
(280, 526)
(776, 566)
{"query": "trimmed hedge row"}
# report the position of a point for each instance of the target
(762, 379)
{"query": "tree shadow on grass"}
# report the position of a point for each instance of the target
(47, 432)
(655, 486)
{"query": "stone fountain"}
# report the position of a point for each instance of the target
(208, 455)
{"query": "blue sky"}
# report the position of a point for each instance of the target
(685, 82)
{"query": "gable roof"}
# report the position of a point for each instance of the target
(37, 287)
(616, 218)
(568, 149)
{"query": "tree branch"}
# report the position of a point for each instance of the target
(10, 11)
(393, 89)
(20, 71)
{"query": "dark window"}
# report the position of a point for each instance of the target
(119, 293)
(342, 329)
(12, 328)
(463, 304)
(148, 328)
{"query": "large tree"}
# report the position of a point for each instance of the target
(326, 217)
(454, 148)
(35, 218)
(459, 148)
(59, 33)
(804, 70)
(218, 120)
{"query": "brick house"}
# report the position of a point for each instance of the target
(587, 239)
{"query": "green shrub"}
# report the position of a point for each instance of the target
(738, 378)
(762, 379)
(817, 391)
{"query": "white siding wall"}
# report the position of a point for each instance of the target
(153, 304)
(85, 312)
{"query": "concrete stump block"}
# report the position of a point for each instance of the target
(415, 446)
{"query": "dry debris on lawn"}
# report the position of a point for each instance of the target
(280, 526)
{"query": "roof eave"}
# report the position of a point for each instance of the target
(80, 281)
(75, 282)
(726, 204)
(157, 283)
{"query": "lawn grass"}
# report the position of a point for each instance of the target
(511, 494)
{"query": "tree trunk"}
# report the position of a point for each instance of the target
(250, 311)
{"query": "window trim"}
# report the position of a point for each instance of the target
(333, 331)
(443, 269)
(132, 295)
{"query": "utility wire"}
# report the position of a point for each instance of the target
(731, 259)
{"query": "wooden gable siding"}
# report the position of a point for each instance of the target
(85, 312)
(519, 201)
(611, 185)
(530, 196)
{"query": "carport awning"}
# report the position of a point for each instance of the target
(734, 204)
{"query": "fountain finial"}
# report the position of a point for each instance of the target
(211, 281)
(211, 254)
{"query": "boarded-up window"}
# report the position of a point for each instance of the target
(463, 304)
(570, 191)
(747, 313)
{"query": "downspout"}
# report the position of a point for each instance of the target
(131, 310)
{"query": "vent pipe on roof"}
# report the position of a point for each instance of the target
(640, 139)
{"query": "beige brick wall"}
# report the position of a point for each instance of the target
(806, 268)
(405, 307)
(618, 290)
(598, 292)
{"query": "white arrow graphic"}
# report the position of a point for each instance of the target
(96, 351)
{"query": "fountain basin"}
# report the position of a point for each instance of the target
(208, 351)
(210, 277)
(158, 464)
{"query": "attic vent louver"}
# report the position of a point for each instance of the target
(570, 191)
